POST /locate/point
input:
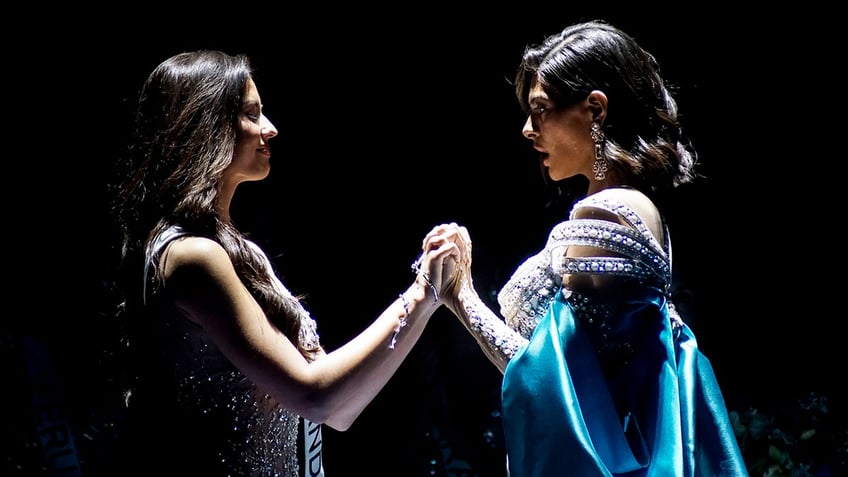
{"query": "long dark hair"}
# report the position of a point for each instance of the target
(183, 139)
(645, 143)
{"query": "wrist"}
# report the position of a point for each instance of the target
(423, 281)
(414, 300)
(422, 278)
(421, 295)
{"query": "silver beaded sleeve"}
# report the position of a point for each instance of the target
(497, 340)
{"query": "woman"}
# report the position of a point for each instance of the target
(228, 360)
(601, 375)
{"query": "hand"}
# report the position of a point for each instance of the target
(461, 279)
(449, 269)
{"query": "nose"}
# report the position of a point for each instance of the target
(267, 130)
(529, 131)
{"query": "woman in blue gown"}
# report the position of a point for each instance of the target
(602, 377)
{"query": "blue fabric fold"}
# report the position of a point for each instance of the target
(567, 412)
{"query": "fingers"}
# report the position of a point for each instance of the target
(440, 230)
(448, 232)
(438, 264)
(440, 253)
(446, 258)
(451, 232)
(466, 238)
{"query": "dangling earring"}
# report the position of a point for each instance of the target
(599, 167)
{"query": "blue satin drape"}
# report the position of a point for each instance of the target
(560, 418)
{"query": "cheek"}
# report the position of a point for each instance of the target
(248, 138)
(568, 156)
(244, 151)
(249, 132)
(564, 144)
(572, 139)
(240, 148)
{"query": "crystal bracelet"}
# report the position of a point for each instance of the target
(401, 321)
(416, 267)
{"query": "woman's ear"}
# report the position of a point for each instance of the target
(597, 100)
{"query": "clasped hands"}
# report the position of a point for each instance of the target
(445, 262)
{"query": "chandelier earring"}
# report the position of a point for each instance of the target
(599, 167)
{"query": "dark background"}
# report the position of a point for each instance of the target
(392, 120)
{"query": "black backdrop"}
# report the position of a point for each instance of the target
(392, 120)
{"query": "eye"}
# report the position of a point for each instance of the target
(252, 112)
(538, 110)
(251, 116)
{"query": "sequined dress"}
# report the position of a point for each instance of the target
(193, 411)
(603, 383)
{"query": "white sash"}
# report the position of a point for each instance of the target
(313, 465)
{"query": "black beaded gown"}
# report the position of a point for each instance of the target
(193, 413)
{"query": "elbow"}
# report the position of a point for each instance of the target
(338, 421)
(320, 399)
(320, 408)
(309, 402)
(316, 409)
(339, 424)
(343, 417)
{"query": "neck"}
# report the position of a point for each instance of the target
(223, 201)
(606, 183)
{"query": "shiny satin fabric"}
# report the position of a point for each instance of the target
(560, 418)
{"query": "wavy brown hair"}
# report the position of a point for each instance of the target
(184, 136)
(645, 144)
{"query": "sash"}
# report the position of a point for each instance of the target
(313, 465)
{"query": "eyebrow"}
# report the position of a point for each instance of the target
(251, 103)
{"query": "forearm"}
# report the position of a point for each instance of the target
(498, 341)
(372, 357)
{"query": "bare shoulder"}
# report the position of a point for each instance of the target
(201, 280)
(199, 276)
(198, 253)
(632, 198)
(639, 203)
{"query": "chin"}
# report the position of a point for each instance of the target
(557, 177)
(565, 177)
